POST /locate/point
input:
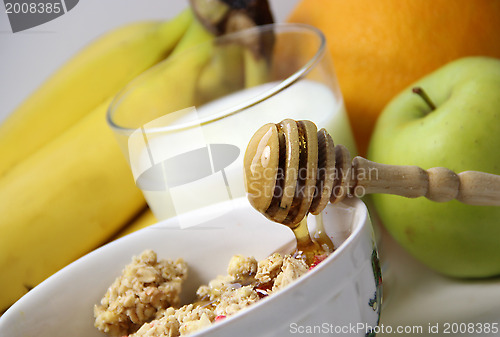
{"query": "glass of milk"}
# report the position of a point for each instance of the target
(184, 125)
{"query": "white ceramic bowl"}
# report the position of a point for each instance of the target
(341, 296)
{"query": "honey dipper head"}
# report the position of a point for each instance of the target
(281, 170)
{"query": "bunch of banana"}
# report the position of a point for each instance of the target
(65, 186)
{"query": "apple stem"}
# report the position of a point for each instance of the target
(419, 91)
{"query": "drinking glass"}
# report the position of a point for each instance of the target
(184, 124)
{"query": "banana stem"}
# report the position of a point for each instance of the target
(227, 16)
(218, 16)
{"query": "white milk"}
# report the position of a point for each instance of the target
(203, 181)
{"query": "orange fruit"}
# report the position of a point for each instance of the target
(380, 47)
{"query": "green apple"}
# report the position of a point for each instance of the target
(462, 133)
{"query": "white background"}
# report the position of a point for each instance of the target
(27, 58)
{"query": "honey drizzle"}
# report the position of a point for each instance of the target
(320, 235)
(307, 248)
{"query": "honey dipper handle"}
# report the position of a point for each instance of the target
(437, 184)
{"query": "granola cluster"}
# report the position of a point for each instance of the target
(144, 300)
(145, 287)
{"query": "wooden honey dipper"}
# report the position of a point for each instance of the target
(292, 169)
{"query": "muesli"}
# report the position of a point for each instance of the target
(144, 299)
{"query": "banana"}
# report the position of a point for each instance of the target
(98, 72)
(256, 69)
(195, 35)
(223, 74)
